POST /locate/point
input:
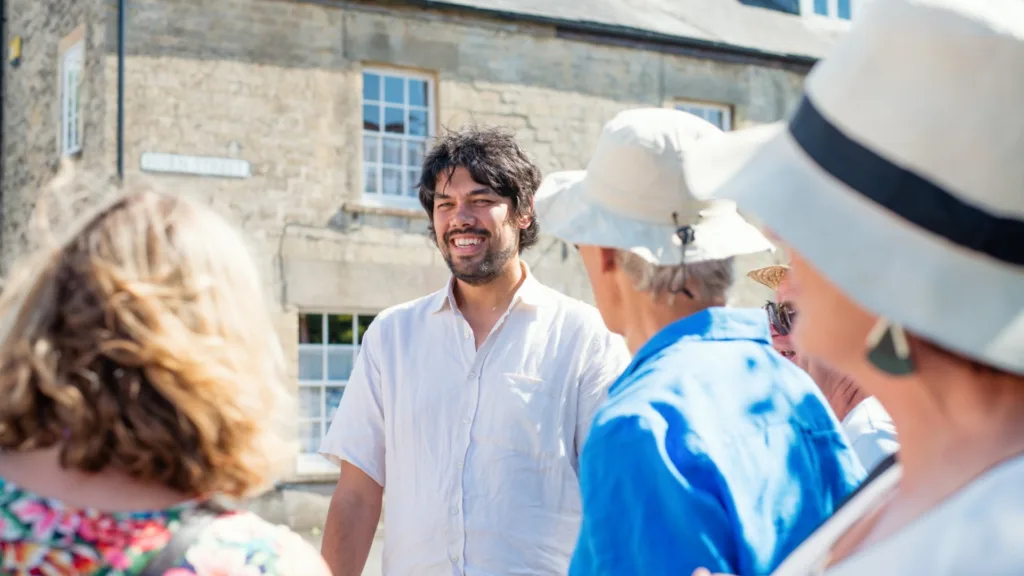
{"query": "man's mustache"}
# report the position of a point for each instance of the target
(474, 231)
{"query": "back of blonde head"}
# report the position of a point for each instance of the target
(142, 343)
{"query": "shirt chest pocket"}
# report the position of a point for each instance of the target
(528, 415)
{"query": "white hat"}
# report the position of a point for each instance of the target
(901, 174)
(633, 186)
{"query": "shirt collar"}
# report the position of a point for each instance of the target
(531, 293)
(715, 323)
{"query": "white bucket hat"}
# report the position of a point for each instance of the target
(901, 174)
(633, 195)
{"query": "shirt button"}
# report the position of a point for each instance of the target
(465, 420)
(454, 510)
(455, 558)
(472, 374)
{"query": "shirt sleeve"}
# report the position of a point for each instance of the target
(605, 361)
(356, 435)
(647, 506)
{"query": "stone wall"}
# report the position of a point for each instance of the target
(278, 83)
(31, 129)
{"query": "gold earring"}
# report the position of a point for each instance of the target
(889, 348)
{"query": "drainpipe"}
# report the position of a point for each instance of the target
(3, 103)
(120, 88)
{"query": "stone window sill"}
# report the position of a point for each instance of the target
(371, 207)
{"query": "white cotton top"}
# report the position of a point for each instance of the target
(477, 449)
(871, 432)
(977, 531)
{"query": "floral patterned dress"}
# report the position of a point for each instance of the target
(44, 537)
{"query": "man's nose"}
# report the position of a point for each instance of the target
(462, 216)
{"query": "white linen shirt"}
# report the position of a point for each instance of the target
(477, 449)
(871, 432)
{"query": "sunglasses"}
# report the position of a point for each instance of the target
(781, 317)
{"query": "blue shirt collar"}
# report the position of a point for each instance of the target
(710, 324)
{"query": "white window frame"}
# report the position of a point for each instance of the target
(403, 202)
(699, 108)
(311, 463)
(72, 66)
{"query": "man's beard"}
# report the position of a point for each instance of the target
(486, 267)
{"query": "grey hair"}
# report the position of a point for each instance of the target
(709, 280)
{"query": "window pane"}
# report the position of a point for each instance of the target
(844, 9)
(364, 323)
(311, 364)
(371, 117)
(418, 95)
(394, 120)
(695, 110)
(339, 363)
(412, 186)
(392, 151)
(821, 7)
(310, 404)
(715, 117)
(371, 86)
(370, 179)
(418, 122)
(310, 434)
(394, 89)
(339, 329)
(334, 394)
(311, 329)
(371, 148)
(415, 152)
(392, 181)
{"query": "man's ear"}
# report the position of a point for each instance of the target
(608, 262)
(526, 219)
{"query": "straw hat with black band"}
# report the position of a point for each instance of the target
(900, 175)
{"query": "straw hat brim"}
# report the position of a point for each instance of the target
(770, 276)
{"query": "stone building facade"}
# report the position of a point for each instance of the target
(308, 118)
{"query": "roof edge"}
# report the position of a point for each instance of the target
(621, 35)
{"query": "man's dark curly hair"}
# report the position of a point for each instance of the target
(494, 159)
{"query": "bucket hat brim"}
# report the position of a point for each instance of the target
(566, 211)
(881, 261)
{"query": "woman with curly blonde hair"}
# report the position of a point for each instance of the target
(140, 380)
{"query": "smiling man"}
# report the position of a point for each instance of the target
(470, 406)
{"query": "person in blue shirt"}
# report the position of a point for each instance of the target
(711, 449)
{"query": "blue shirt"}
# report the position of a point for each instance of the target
(712, 450)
